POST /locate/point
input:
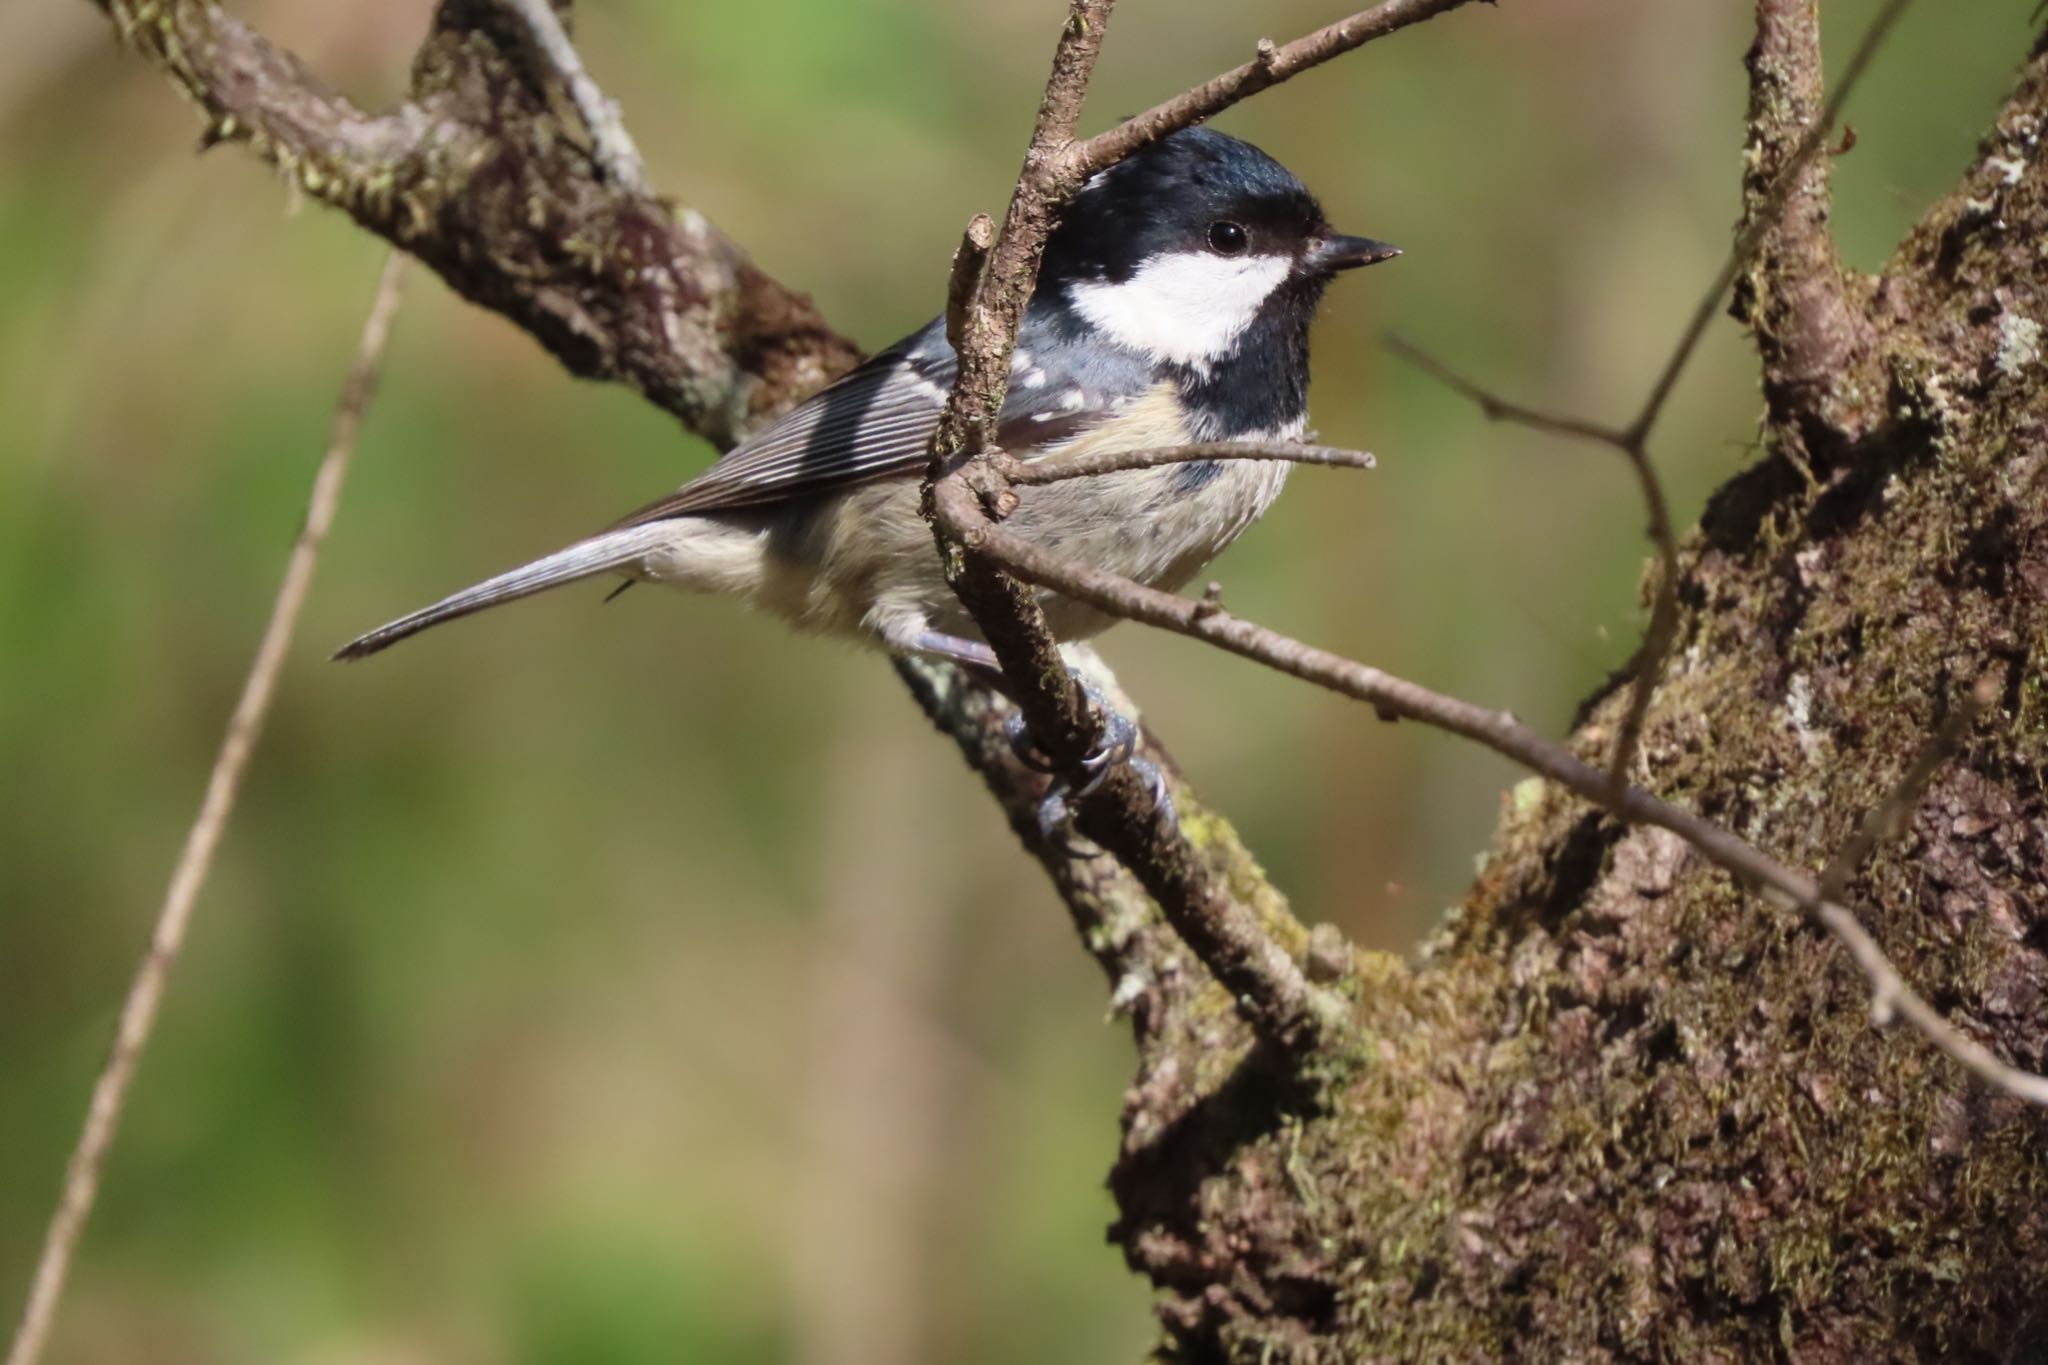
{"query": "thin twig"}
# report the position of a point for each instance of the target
(1271, 64)
(1096, 463)
(1648, 663)
(1760, 223)
(1497, 730)
(1498, 409)
(1633, 440)
(174, 917)
(612, 144)
(1891, 998)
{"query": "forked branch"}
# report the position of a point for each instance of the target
(1792, 25)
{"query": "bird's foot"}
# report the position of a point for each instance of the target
(1119, 744)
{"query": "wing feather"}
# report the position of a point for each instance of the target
(871, 423)
(876, 422)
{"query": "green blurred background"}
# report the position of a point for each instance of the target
(645, 984)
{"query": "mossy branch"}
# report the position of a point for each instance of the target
(477, 176)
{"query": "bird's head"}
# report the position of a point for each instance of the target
(1176, 250)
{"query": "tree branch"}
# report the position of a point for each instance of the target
(474, 175)
(1810, 319)
(1392, 697)
(612, 144)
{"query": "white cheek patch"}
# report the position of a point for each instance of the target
(1187, 307)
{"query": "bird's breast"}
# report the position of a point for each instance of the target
(1161, 525)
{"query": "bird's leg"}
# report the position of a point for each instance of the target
(971, 655)
(1118, 745)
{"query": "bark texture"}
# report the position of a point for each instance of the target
(481, 174)
(1621, 1110)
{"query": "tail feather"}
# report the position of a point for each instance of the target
(584, 559)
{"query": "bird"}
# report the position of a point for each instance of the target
(1172, 306)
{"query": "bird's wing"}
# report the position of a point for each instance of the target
(877, 421)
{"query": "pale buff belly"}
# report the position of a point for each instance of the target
(863, 563)
(867, 563)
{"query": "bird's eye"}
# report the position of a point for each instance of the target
(1227, 238)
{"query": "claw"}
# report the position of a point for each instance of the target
(1119, 742)
(1163, 812)
(1119, 745)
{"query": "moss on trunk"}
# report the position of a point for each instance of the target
(1624, 1111)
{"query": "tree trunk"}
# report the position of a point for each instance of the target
(1623, 1110)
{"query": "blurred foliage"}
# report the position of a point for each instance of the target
(642, 984)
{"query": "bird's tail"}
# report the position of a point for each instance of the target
(586, 558)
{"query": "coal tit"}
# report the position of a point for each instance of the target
(1173, 306)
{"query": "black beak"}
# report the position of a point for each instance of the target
(1338, 252)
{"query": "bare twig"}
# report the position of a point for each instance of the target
(1496, 730)
(1271, 64)
(1096, 463)
(1498, 409)
(174, 917)
(988, 331)
(610, 141)
(1649, 660)
(1891, 998)
(1762, 219)
(1633, 440)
